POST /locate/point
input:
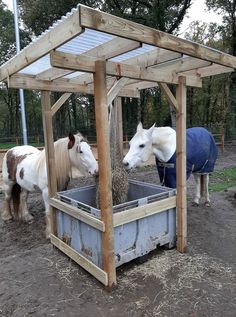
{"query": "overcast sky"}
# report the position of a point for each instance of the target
(196, 12)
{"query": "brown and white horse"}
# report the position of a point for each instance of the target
(24, 170)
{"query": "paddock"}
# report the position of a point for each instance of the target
(37, 279)
(137, 57)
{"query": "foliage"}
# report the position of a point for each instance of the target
(227, 8)
(7, 36)
(222, 180)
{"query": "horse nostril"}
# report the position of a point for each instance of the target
(126, 163)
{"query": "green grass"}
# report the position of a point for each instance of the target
(222, 180)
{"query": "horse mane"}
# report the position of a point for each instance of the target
(62, 160)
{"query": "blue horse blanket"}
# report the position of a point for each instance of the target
(201, 154)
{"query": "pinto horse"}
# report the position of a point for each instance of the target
(24, 170)
(200, 157)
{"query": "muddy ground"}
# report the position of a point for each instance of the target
(38, 280)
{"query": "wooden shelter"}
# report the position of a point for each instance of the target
(93, 52)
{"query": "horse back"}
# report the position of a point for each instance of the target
(201, 150)
(13, 158)
(201, 155)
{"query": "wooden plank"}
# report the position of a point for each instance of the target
(89, 266)
(50, 154)
(104, 162)
(181, 203)
(78, 213)
(209, 71)
(105, 22)
(118, 108)
(60, 85)
(79, 63)
(107, 50)
(153, 57)
(115, 89)
(57, 105)
(58, 35)
(182, 65)
(170, 97)
(140, 212)
(53, 73)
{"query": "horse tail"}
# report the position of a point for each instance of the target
(16, 190)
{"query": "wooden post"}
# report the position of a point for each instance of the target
(104, 162)
(49, 151)
(118, 107)
(181, 203)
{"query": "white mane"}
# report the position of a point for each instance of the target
(62, 160)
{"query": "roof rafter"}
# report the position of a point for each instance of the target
(108, 23)
(61, 85)
(81, 63)
(107, 50)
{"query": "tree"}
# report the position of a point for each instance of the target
(227, 8)
(165, 15)
(9, 99)
(208, 106)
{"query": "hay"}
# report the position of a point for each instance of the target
(179, 274)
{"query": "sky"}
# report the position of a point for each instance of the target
(196, 12)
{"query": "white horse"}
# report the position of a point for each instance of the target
(24, 171)
(200, 157)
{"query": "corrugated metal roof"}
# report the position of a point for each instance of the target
(86, 41)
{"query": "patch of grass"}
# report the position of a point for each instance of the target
(221, 180)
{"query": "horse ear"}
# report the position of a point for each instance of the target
(150, 130)
(139, 127)
(71, 141)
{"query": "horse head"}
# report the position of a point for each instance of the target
(140, 147)
(81, 155)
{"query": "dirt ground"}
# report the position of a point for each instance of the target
(38, 280)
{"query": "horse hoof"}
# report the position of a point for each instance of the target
(7, 220)
(207, 204)
(28, 218)
(194, 204)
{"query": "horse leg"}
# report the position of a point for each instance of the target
(206, 190)
(47, 212)
(24, 212)
(6, 211)
(197, 190)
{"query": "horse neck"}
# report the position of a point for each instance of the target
(164, 143)
(62, 162)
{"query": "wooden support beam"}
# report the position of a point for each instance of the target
(86, 64)
(78, 214)
(209, 71)
(126, 216)
(118, 109)
(107, 50)
(170, 97)
(115, 89)
(61, 32)
(181, 203)
(53, 73)
(57, 105)
(183, 64)
(147, 59)
(61, 85)
(104, 161)
(99, 274)
(105, 22)
(50, 155)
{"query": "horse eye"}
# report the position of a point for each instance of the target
(81, 151)
(142, 145)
